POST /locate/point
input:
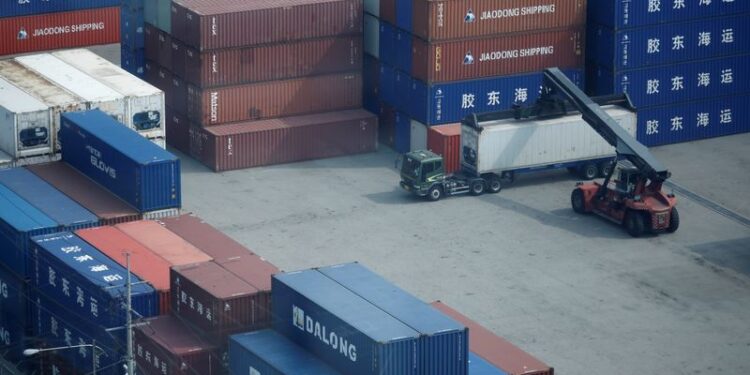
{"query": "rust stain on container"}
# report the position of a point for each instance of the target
(445, 140)
(205, 237)
(161, 241)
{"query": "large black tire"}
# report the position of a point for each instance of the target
(476, 187)
(589, 171)
(674, 221)
(634, 223)
(605, 168)
(435, 193)
(494, 185)
(577, 201)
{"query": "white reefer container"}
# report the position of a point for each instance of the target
(25, 126)
(513, 145)
(56, 98)
(144, 104)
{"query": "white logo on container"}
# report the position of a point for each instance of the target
(337, 343)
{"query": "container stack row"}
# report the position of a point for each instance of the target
(434, 62)
(30, 26)
(132, 54)
(684, 65)
(38, 89)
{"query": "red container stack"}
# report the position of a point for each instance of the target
(258, 83)
(445, 140)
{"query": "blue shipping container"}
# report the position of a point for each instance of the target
(443, 344)
(444, 103)
(125, 163)
(371, 76)
(131, 28)
(19, 220)
(654, 86)
(268, 353)
(678, 42)
(395, 47)
(404, 12)
(402, 136)
(339, 327)
(133, 61)
(14, 8)
(694, 120)
(12, 315)
(620, 14)
(86, 282)
(385, 44)
(133, 4)
(57, 206)
(478, 366)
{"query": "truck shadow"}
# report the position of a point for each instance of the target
(398, 196)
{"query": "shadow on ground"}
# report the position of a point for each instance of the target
(732, 254)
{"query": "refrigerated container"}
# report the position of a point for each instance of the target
(25, 123)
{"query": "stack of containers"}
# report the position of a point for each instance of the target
(684, 65)
(132, 55)
(439, 61)
(240, 96)
(28, 26)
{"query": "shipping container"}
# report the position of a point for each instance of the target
(55, 97)
(658, 45)
(257, 272)
(144, 263)
(131, 28)
(691, 121)
(478, 366)
(108, 209)
(272, 61)
(57, 206)
(271, 99)
(620, 14)
(25, 123)
(221, 24)
(388, 11)
(341, 328)
(89, 284)
(133, 60)
(675, 83)
(208, 239)
(134, 4)
(370, 84)
(451, 102)
(269, 353)
(394, 87)
(161, 241)
(496, 350)
(284, 140)
(139, 172)
(386, 124)
(50, 363)
(214, 302)
(144, 103)
(417, 136)
(13, 315)
(441, 20)
(179, 58)
(25, 8)
(445, 140)
(178, 129)
(165, 347)
(59, 30)
(164, 15)
(372, 36)
(372, 7)
(19, 221)
(443, 342)
(158, 46)
(95, 93)
(402, 140)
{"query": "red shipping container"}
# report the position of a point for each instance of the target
(152, 75)
(178, 90)
(257, 272)
(272, 61)
(496, 350)
(284, 140)
(214, 24)
(496, 55)
(205, 237)
(450, 19)
(178, 130)
(388, 11)
(215, 302)
(59, 30)
(271, 99)
(164, 346)
(144, 263)
(178, 50)
(161, 241)
(445, 140)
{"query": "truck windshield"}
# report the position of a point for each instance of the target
(411, 167)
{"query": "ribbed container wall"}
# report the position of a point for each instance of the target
(267, 352)
(620, 14)
(205, 237)
(445, 140)
(13, 315)
(25, 8)
(257, 272)
(478, 366)
(164, 243)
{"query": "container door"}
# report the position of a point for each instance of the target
(146, 113)
(114, 108)
(33, 133)
(418, 136)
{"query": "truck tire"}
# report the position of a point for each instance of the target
(605, 168)
(435, 193)
(634, 223)
(476, 187)
(577, 201)
(494, 185)
(589, 171)
(674, 220)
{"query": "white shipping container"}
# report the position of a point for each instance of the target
(418, 136)
(144, 104)
(56, 98)
(372, 36)
(511, 144)
(25, 123)
(5, 160)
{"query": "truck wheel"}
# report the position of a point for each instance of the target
(589, 171)
(577, 201)
(435, 193)
(493, 185)
(477, 187)
(605, 168)
(674, 221)
(634, 223)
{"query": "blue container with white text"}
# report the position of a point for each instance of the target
(13, 315)
(620, 14)
(131, 28)
(13, 8)
(268, 353)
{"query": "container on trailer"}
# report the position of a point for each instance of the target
(322, 135)
(478, 366)
(220, 24)
(208, 239)
(144, 263)
(417, 136)
(268, 62)
(496, 350)
(144, 103)
(163, 346)
(25, 8)
(340, 327)
(13, 316)
(445, 140)
(262, 100)
(214, 302)
(161, 241)
(25, 123)
(510, 144)
(57, 206)
(139, 172)
(59, 30)
(372, 35)
(269, 353)
(257, 272)
(620, 14)
(440, 20)
(108, 208)
(443, 342)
